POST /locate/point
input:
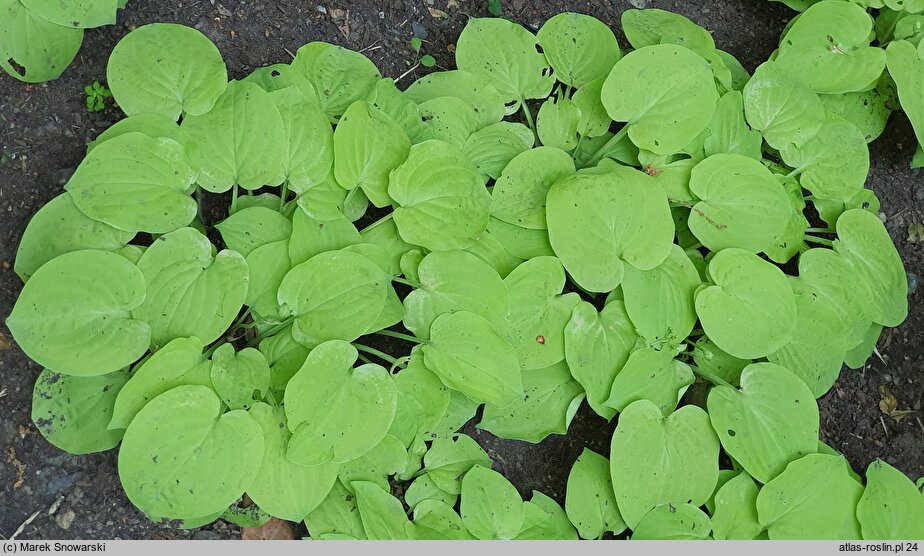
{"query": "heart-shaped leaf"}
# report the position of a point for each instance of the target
(590, 503)
(73, 412)
(538, 312)
(665, 93)
(190, 291)
(182, 458)
(335, 295)
(282, 488)
(241, 141)
(770, 422)
(442, 202)
(504, 54)
(580, 48)
(168, 69)
(750, 312)
(469, 355)
(662, 460)
(597, 346)
(741, 204)
(135, 183)
(75, 314)
(600, 222)
(337, 413)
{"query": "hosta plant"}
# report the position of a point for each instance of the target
(663, 219)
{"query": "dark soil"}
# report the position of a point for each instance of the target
(43, 130)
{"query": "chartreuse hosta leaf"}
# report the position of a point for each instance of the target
(471, 356)
(239, 378)
(333, 77)
(650, 27)
(594, 120)
(335, 412)
(422, 400)
(282, 488)
(436, 520)
(669, 522)
(246, 230)
(58, 228)
(182, 458)
(385, 459)
(191, 292)
(312, 236)
(491, 507)
(892, 507)
(590, 503)
(309, 144)
(268, 265)
(152, 125)
(241, 141)
(545, 520)
(783, 108)
(557, 123)
(771, 421)
(599, 222)
(665, 93)
(168, 69)
(741, 204)
(448, 119)
(448, 459)
(834, 163)
(33, 49)
(178, 363)
(652, 375)
(538, 312)
(487, 104)
(579, 48)
(819, 344)
(455, 281)
(73, 412)
(504, 54)
(423, 489)
(735, 513)
(865, 243)
(135, 183)
(868, 110)
(750, 312)
(814, 498)
(333, 295)
(728, 131)
(828, 46)
(381, 513)
(368, 145)
(82, 14)
(336, 515)
(75, 314)
(660, 301)
(597, 345)
(907, 69)
(399, 107)
(662, 460)
(492, 148)
(519, 195)
(550, 399)
(442, 203)
(711, 359)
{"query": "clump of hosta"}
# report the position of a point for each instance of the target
(649, 228)
(40, 38)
